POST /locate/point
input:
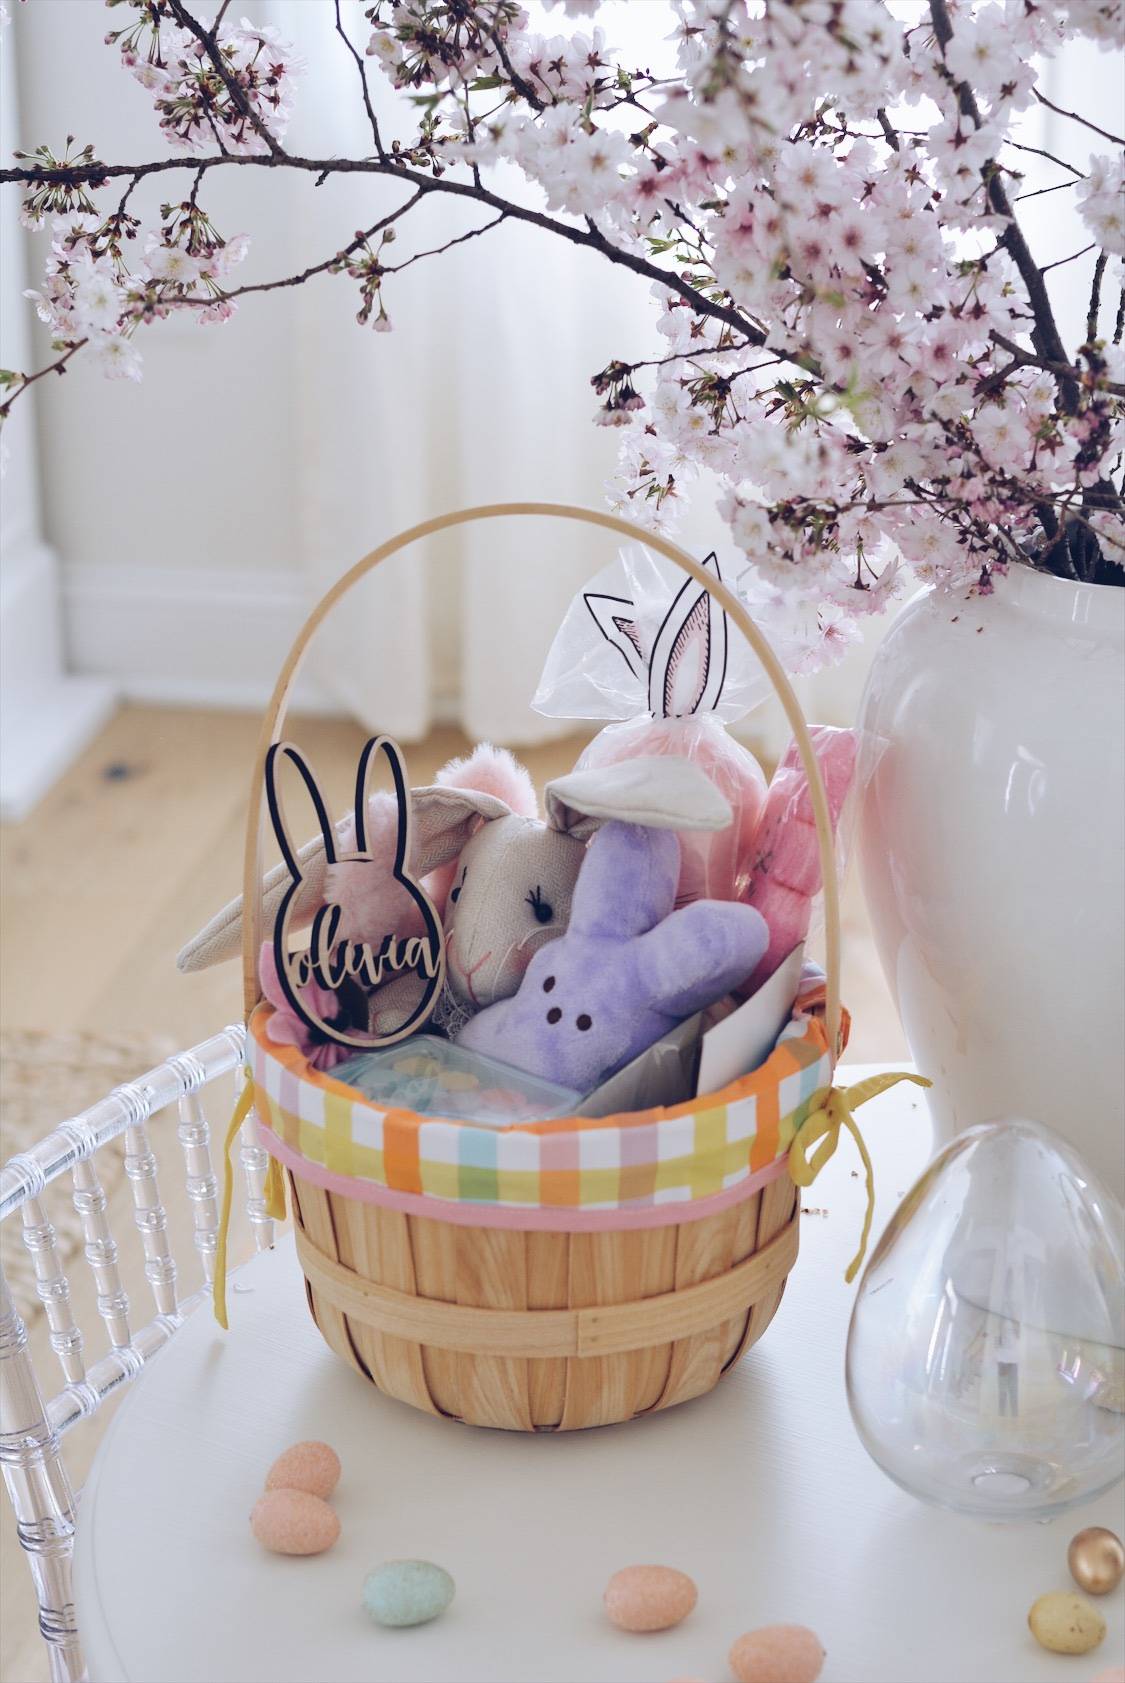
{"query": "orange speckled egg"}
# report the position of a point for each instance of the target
(293, 1522)
(313, 1467)
(777, 1654)
(649, 1597)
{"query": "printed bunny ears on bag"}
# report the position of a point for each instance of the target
(663, 793)
(643, 639)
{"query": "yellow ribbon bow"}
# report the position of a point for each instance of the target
(274, 1196)
(821, 1129)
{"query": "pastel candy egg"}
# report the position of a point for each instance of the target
(777, 1654)
(1066, 1623)
(293, 1522)
(407, 1592)
(312, 1467)
(649, 1597)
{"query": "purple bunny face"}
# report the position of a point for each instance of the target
(627, 969)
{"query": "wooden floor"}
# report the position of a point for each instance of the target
(126, 858)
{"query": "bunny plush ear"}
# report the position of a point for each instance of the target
(660, 791)
(627, 883)
(443, 821)
(221, 938)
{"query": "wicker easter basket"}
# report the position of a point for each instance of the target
(515, 1293)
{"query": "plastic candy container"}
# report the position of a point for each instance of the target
(650, 652)
(434, 1077)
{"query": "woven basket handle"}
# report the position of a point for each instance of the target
(274, 720)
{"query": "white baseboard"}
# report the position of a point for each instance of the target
(185, 636)
(47, 716)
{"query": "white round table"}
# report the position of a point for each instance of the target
(761, 1491)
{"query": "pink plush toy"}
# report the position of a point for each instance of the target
(364, 890)
(786, 866)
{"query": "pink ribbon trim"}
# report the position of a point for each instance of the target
(532, 1219)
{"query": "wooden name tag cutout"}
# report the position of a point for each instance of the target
(329, 961)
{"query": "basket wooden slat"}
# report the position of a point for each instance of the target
(565, 1339)
(477, 1351)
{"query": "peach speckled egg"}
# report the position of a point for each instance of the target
(293, 1522)
(313, 1467)
(649, 1597)
(777, 1654)
(1112, 1674)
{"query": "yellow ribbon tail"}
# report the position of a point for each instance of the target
(219, 1283)
(819, 1135)
(275, 1190)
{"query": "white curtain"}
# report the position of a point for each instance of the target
(479, 394)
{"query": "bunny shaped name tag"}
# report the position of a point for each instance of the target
(333, 964)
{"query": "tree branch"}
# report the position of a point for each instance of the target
(208, 39)
(1045, 334)
(1060, 370)
(1095, 304)
(522, 86)
(888, 130)
(362, 69)
(1060, 262)
(97, 174)
(56, 367)
(1116, 139)
(485, 228)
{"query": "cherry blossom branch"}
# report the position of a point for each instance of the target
(208, 40)
(97, 174)
(26, 380)
(362, 70)
(1094, 308)
(1075, 117)
(329, 263)
(461, 239)
(1026, 359)
(1022, 146)
(1060, 262)
(891, 418)
(1045, 334)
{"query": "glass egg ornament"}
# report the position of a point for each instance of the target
(986, 1352)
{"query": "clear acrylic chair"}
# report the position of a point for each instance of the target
(34, 1416)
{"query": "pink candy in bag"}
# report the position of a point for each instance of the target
(650, 650)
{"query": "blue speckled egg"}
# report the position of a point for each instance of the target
(407, 1592)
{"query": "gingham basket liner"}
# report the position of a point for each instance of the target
(652, 1166)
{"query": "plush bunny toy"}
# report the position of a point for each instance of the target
(628, 968)
(513, 875)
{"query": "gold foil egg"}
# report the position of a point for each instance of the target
(1096, 1559)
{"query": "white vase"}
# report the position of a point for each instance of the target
(992, 845)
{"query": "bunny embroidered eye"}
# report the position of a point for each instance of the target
(543, 909)
(553, 1014)
(455, 894)
(548, 984)
(583, 1022)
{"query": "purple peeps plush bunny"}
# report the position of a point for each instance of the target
(627, 969)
